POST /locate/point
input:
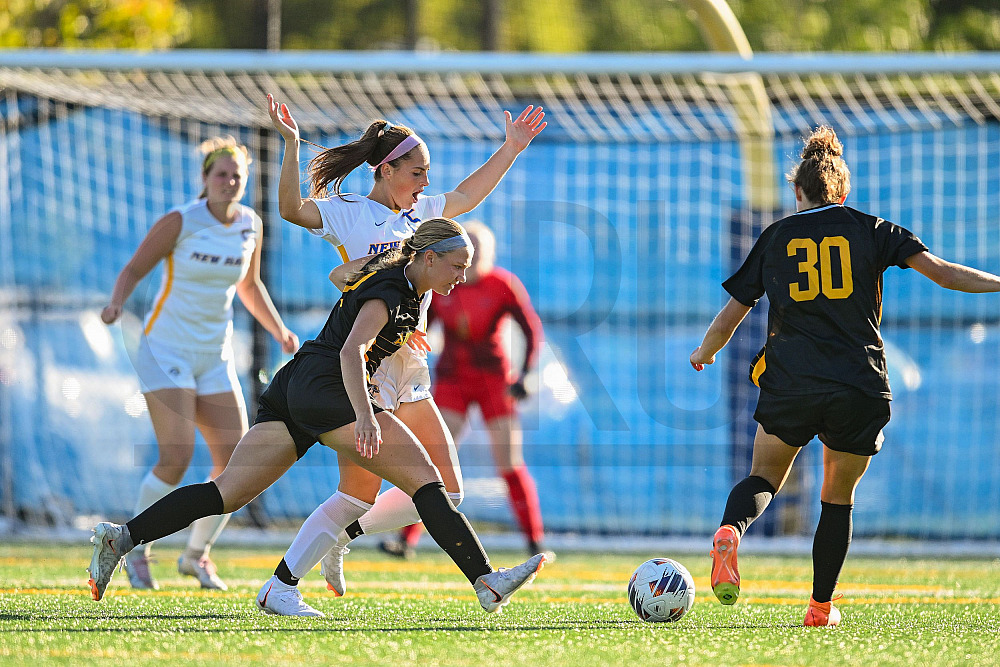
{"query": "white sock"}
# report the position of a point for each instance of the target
(152, 489)
(319, 532)
(392, 510)
(204, 532)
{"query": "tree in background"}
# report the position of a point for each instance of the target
(124, 24)
(513, 25)
(961, 25)
(604, 25)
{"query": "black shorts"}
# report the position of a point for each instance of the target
(845, 420)
(307, 394)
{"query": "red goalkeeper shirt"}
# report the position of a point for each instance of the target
(472, 315)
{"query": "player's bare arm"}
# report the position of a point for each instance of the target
(257, 300)
(160, 240)
(371, 318)
(719, 333)
(477, 185)
(291, 205)
(953, 276)
(340, 274)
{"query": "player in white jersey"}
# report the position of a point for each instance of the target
(360, 226)
(211, 250)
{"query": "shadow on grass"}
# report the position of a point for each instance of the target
(330, 624)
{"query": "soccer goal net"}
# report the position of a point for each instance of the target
(646, 190)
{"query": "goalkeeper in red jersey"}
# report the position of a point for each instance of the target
(473, 368)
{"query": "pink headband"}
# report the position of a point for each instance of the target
(402, 148)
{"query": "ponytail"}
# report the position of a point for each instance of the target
(428, 233)
(332, 165)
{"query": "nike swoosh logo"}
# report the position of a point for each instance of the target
(263, 602)
(499, 597)
(379, 224)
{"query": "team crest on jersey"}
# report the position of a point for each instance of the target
(401, 316)
(404, 337)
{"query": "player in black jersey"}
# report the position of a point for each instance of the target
(822, 370)
(323, 395)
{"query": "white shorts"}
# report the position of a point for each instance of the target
(162, 366)
(402, 378)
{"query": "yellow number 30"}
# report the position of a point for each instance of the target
(823, 277)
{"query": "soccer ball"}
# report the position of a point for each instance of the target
(661, 590)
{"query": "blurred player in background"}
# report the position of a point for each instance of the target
(822, 370)
(211, 247)
(474, 369)
(360, 226)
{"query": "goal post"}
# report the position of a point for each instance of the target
(627, 201)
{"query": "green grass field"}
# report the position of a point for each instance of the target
(421, 612)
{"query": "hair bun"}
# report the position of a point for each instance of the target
(821, 143)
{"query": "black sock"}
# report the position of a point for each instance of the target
(451, 530)
(175, 511)
(830, 545)
(284, 575)
(747, 501)
(354, 531)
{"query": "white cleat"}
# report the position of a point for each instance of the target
(137, 569)
(494, 589)
(202, 569)
(332, 567)
(111, 543)
(284, 600)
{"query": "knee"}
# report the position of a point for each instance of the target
(837, 494)
(171, 472)
(233, 497)
(175, 458)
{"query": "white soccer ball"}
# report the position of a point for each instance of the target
(661, 590)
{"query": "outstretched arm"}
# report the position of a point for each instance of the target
(954, 276)
(291, 205)
(159, 243)
(719, 332)
(473, 190)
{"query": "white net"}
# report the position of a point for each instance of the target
(622, 219)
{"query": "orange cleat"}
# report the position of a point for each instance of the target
(725, 572)
(821, 614)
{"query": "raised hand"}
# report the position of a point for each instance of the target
(282, 119)
(520, 132)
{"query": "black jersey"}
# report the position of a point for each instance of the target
(402, 301)
(822, 272)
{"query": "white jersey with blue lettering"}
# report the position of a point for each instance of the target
(194, 307)
(359, 227)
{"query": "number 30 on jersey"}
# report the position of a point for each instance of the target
(821, 278)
